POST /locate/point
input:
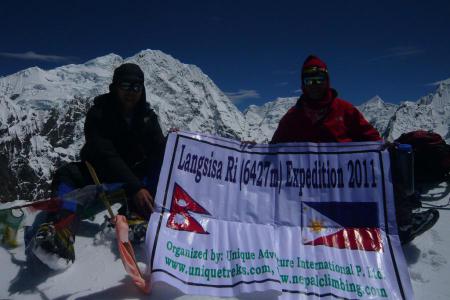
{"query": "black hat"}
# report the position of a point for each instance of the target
(128, 72)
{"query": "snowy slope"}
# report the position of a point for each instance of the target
(263, 120)
(99, 274)
(42, 113)
(431, 112)
(41, 119)
(378, 113)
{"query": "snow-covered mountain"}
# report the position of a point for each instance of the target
(42, 113)
(431, 112)
(378, 113)
(263, 120)
(41, 127)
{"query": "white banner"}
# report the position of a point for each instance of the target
(298, 220)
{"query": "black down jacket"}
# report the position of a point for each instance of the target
(121, 150)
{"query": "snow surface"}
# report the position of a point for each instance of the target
(41, 127)
(263, 120)
(99, 274)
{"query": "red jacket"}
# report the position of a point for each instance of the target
(338, 121)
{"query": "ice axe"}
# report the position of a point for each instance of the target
(102, 194)
(125, 248)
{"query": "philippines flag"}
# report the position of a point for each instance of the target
(343, 225)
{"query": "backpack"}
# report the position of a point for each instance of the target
(431, 155)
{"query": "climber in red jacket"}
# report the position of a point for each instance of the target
(319, 116)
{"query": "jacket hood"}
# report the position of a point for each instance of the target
(312, 62)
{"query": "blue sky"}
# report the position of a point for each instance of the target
(252, 50)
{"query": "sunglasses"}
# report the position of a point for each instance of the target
(131, 87)
(314, 70)
(314, 80)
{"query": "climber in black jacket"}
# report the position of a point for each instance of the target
(124, 141)
(125, 145)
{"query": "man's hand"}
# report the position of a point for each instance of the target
(144, 202)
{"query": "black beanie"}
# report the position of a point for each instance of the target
(128, 72)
